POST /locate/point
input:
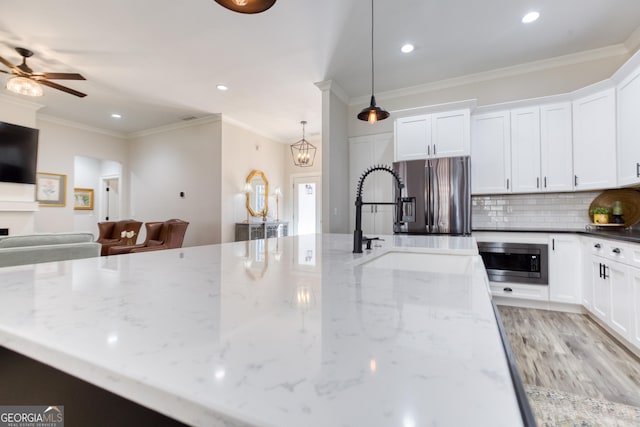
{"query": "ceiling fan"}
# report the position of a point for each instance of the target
(25, 76)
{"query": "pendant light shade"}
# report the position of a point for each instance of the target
(372, 113)
(303, 152)
(246, 6)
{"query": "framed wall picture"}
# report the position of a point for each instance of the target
(83, 199)
(51, 189)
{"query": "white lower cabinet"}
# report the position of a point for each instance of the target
(601, 303)
(613, 284)
(565, 266)
(620, 288)
(634, 279)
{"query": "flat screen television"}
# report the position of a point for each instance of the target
(18, 153)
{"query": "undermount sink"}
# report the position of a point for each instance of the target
(419, 261)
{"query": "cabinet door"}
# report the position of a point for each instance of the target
(565, 267)
(620, 311)
(594, 141)
(601, 290)
(525, 150)
(556, 147)
(634, 336)
(629, 130)
(490, 153)
(451, 134)
(412, 137)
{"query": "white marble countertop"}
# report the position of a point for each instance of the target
(287, 332)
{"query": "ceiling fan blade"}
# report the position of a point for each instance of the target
(62, 88)
(11, 66)
(57, 76)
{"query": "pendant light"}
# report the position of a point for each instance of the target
(372, 113)
(303, 152)
(246, 6)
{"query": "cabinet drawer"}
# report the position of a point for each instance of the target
(516, 290)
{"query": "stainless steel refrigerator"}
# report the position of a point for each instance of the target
(442, 192)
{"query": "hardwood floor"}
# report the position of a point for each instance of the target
(571, 353)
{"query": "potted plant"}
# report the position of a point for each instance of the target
(600, 215)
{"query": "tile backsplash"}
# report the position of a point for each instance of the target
(549, 211)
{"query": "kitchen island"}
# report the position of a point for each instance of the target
(293, 331)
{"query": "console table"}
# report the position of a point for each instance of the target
(260, 230)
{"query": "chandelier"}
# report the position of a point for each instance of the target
(303, 152)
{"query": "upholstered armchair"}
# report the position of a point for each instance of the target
(109, 233)
(160, 235)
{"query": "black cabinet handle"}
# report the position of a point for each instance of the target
(601, 265)
(507, 290)
(575, 180)
(553, 244)
(434, 150)
(597, 246)
(604, 272)
(616, 250)
(507, 183)
(545, 182)
(538, 182)
(637, 170)
(428, 150)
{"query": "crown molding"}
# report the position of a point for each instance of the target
(335, 88)
(77, 125)
(471, 104)
(19, 102)
(242, 125)
(632, 43)
(175, 126)
(544, 64)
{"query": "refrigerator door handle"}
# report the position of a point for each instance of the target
(432, 194)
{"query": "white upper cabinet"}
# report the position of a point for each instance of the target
(628, 95)
(594, 141)
(451, 134)
(525, 150)
(412, 137)
(490, 153)
(556, 147)
(444, 134)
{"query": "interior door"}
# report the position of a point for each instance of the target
(307, 204)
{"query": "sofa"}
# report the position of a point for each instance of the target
(37, 248)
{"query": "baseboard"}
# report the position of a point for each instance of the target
(623, 341)
(540, 305)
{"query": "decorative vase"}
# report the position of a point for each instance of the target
(601, 218)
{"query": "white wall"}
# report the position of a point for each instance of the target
(181, 158)
(60, 143)
(243, 151)
(335, 166)
(86, 175)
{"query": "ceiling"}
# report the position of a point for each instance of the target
(157, 62)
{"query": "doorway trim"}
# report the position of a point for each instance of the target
(292, 179)
(103, 198)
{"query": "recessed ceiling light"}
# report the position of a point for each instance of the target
(530, 17)
(222, 87)
(116, 116)
(407, 48)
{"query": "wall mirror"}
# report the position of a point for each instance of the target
(257, 197)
